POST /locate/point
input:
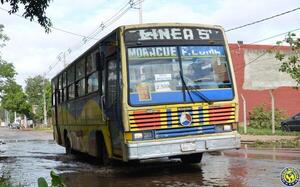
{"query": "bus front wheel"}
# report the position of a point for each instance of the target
(102, 152)
(68, 146)
(192, 158)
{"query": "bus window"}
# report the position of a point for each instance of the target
(60, 82)
(70, 74)
(53, 99)
(80, 69)
(80, 88)
(71, 92)
(92, 82)
(91, 63)
(111, 81)
(65, 93)
(64, 79)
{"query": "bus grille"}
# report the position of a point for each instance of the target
(170, 117)
(169, 133)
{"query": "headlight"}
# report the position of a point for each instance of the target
(145, 135)
(227, 128)
(137, 136)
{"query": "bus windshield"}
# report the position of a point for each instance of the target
(154, 72)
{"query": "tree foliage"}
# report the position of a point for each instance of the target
(7, 70)
(35, 89)
(34, 9)
(14, 98)
(290, 62)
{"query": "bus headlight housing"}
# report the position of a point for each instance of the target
(137, 136)
(223, 128)
(227, 128)
(145, 135)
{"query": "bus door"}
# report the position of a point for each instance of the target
(56, 97)
(113, 93)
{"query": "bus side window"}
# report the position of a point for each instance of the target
(92, 82)
(70, 91)
(102, 69)
(92, 73)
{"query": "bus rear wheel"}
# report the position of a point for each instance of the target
(192, 158)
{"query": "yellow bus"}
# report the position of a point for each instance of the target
(149, 91)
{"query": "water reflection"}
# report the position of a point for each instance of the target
(22, 163)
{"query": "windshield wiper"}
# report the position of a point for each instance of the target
(185, 87)
(199, 94)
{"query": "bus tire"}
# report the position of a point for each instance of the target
(192, 158)
(68, 146)
(102, 151)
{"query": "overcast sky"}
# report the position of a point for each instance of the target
(32, 51)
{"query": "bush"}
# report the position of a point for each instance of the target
(261, 117)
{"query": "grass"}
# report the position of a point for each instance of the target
(46, 129)
(278, 144)
(264, 131)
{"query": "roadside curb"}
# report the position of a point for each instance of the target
(31, 140)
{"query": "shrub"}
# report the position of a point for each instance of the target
(261, 117)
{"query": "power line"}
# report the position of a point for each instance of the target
(267, 51)
(129, 5)
(274, 36)
(52, 27)
(262, 20)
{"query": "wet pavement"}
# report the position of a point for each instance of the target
(22, 162)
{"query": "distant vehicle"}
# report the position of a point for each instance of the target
(15, 125)
(291, 124)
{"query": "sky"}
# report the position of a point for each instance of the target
(33, 52)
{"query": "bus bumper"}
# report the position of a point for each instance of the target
(175, 147)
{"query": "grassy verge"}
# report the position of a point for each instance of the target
(46, 129)
(278, 144)
(264, 131)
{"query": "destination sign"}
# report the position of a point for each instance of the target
(153, 34)
(171, 52)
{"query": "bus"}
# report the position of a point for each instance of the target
(149, 91)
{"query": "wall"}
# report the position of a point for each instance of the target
(256, 79)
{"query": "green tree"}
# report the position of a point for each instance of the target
(7, 70)
(14, 99)
(32, 9)
(291, 61)
(35, 89)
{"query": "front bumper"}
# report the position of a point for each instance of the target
(175, 147)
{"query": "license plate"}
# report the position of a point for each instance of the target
(188, 147)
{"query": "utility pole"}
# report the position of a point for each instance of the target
(245, 113)
(44, 98)
(273, 110)
(141, 12)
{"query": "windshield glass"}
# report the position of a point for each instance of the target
(154, 72)
(205, 67)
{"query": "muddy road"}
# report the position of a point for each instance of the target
(25, 158)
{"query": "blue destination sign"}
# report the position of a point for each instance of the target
(179, 33)
(186, 51)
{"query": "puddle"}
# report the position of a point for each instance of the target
(22, 163)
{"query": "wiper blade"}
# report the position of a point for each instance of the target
(185, 87)
(199, 94)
